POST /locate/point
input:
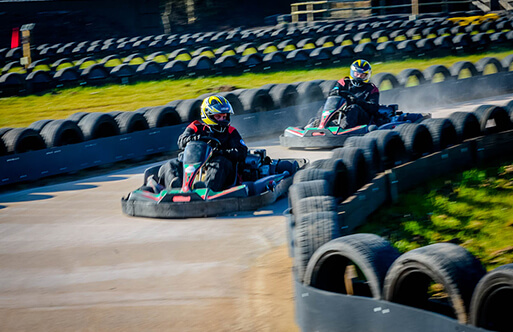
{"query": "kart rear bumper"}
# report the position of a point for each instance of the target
(197, 209)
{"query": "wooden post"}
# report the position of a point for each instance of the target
(415, 7)
(295, 17)
(26, 60)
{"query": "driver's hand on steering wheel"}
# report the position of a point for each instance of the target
(195, 137)
(351, 99)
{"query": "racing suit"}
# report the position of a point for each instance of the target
(363, 108)
(221, 168)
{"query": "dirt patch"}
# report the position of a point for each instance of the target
(269, 301)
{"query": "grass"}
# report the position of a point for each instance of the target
(473, 209)
(59, 104)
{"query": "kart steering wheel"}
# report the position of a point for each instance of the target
(212, 141)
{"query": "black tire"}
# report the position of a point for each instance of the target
(409, 278)
(4, 130)
(340, 180)
(365, 50)
(94, 72)
(509, 108)
(309, 92)
(302, 190)
(62, 132)
(114, 114)
(369, 253)
(381, 78)
(435, 71)
(442, 132)
(391, 147)
(98, 125)
(189, 110)
(404, 76)
(38, 125)
(357, 169)
(310, 174)
(466, 124)
(3, 148)
(129, 122)
(76, 117)
(20, 140)
(201, 64)
(327, 86)
(493, 119)
(284, 95)
(256, 100)
(483, 63)
(460, 66)
(162, 116)
(315, 204)
(417, 139)
(312, 231)
(370, 150)
(387, 49)
(490, 306)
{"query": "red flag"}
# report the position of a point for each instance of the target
(15, 38)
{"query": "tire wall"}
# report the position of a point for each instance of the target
(52, 161)
(374, 314)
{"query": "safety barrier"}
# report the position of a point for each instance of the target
(327, 252)
(165, 126)
(123, 61)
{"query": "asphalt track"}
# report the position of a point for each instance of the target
(71, 261)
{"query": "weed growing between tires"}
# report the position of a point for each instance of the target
(473, 209)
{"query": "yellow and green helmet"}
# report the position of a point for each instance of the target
(216, 105)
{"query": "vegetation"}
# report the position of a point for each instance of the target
(59, 104)
(473, 209)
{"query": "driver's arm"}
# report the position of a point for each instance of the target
(237, 149)
(371, 103)
(191, 133)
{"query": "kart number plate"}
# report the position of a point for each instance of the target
(181, 198)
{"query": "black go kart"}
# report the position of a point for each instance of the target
(259, 181)
(327, 133)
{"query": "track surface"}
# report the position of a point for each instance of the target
(71, 261)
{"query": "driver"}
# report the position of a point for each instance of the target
(215, 123)
(365, 102)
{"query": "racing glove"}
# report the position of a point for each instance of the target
(195, 137)
(351, 99)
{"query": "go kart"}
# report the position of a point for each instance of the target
(327, 133)
(259, 181)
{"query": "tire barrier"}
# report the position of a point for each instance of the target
(277, 115)
(449, 265)
(329, 267)
(325, 279)
(488, 307)
(209, 53)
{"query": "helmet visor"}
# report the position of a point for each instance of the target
(360, 74)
